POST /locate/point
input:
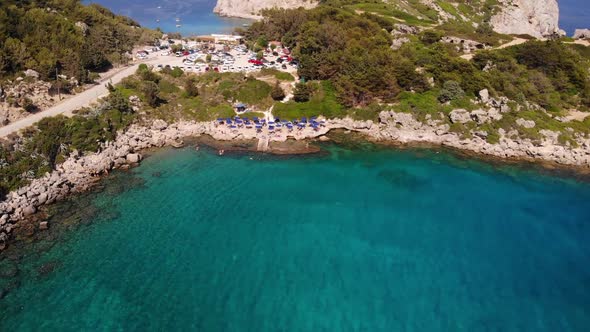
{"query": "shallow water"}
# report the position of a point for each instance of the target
(362, 239)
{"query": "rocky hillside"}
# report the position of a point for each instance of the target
(538, 18)
(251, 8)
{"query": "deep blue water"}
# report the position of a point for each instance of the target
(574, 14)
(363, 239)
(196, 16)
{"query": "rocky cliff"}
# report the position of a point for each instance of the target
(252, 8)
(538, 18)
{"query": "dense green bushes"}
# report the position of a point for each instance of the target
(352, 50)
(64, 35)
(547, 73)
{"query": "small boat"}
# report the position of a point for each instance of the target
(221, 152)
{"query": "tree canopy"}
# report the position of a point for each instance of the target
(64, 35)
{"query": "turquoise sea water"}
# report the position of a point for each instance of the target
(196, 16)
(363, 239)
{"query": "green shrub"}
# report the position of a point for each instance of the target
(451, 91)
(277, 92)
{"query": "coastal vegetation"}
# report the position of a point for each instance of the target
(348, 45)
(64, 37)
(53, 139)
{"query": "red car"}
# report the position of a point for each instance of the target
(255, 62)
(185, 53)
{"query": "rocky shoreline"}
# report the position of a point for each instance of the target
(79, 173)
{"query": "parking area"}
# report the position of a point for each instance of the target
(204, 57)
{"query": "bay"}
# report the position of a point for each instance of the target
(359, 238)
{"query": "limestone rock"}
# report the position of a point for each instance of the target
(460, 116)
(538, 18)
(83, 27)
(404, 29)
(42, 198)
(29, 210)
(484, 95)
(133, 158)
(464, 45)
(525, 123)
(159, 124)
(582, 34)
(252, 8)
(31, 73)
(397, 43)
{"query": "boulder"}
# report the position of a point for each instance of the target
(484, 95)
(159, 124)
(404, 29)
(582, 34)
(460, 116)
(29, 210)
(42, 198)
(133, 158)
(525, 123)
(43, 225)
(397, 43)
(31, 73)
(82, 26)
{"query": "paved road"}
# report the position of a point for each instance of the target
(78, 101)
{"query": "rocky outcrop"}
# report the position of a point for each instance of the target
(538, 18)
(464, 45)
(582, 34)
(252, 8)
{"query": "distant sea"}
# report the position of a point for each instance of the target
(196, 16)
(574, 14)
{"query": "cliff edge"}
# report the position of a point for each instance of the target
(538, 18)
(252, 8)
